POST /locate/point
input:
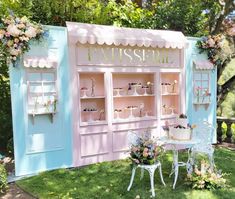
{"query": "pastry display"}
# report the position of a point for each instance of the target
(135, 86)
(131, 108)
(90, 109)
(117, 112)
(117, 90)
(145, 89)
(84, 92)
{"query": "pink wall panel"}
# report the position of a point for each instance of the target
(94, 144)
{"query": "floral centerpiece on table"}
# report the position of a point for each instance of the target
(206, 178)
(15, 34)
(145, 151)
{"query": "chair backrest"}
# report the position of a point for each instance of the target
(132, 138)
(204, 132)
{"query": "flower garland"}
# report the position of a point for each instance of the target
(15, 34)
(212, 45)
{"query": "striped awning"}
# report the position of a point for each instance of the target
(203, 65)
(39, 62)
(111, 35)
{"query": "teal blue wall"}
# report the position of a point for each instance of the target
(199, 115)
(53, 146)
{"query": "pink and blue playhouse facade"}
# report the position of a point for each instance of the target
(76, 94)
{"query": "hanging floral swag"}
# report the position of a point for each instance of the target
(15, 35)
(213, 46)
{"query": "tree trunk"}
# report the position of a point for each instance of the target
(227, 7)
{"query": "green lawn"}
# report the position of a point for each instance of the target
(110, 180)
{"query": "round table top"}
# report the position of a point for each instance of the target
(178, 143)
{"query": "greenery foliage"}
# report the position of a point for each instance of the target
(3, 178)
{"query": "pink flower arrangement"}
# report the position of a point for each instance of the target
(15, 34)
(145, 151)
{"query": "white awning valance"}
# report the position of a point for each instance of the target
(39, 62)
(110, 35)
(203, 65)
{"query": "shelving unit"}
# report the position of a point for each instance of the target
(134, 90)
(170, 94)
(93, 105)
(42, 93)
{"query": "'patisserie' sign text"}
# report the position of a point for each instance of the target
(126, 56)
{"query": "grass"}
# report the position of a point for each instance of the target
(109, 180)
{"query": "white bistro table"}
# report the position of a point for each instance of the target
(176, 146)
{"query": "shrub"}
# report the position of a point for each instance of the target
(3, 178)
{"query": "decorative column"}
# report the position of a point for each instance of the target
(229, 132)
(219, 130)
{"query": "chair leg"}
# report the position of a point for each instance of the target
(160, 172)
(142, 173)
(151, 174)
(132, 178)
(211, 159)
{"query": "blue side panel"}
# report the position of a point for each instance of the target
(199, 113)
(42, 144)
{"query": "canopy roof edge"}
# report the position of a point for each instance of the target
(111, 35)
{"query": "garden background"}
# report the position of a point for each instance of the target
(193, 17)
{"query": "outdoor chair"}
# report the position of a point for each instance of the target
(204, 133)
(133, 140)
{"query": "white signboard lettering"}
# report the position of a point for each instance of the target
(126, 56)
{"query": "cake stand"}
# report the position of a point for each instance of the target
(84, 92)
(131, 108)
(117, 112)
(136, 86)
(118, 90)
(145, 89)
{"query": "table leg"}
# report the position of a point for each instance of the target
(176, 166)
(190, 162)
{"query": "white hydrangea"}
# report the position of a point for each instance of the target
(31, 32)
(14, 52)
(13, 30)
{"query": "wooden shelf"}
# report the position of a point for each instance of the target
(91, 123)
(51, 114)
(169, 116)
(169, 94)
(96, 97)
(126, 96)
(136, 119)
(201, 103)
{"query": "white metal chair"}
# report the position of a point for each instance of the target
(204, 133)
(133, 140)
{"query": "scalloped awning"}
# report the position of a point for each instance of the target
(203, 65)
(110, 35)
(39, 62)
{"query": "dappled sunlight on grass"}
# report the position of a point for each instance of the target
(109, 180)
